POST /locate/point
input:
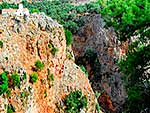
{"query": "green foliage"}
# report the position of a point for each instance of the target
(81, 9)
(50, 45)
(26, 93)
(98, 108)
(75, 101)
(128, 17)
(1, 44)
(84, 70)
(69, 37)
(33, 10)
(8, 92)
(10, 109)
(24, 76)
(39, 65)
(138, 99)
(33, 77)
(22, 94)
(16, 79)
(45, 93)
(97, 94)
(6, 5)
(131, 18)
(93, 7)
(54, 50)
(135, 65)
(136, 78)
(3, 83)
(50, 77)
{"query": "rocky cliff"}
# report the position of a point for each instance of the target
(99, 50)
(26, 40)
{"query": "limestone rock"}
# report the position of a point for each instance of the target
(25, 42)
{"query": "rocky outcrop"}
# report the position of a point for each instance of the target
(104, 75)
(26, 40)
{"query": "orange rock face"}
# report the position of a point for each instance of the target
(106, 101)
(25, 42)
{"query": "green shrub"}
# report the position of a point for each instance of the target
(71, 25)
(33, 10)
(69, 37)
(98, 108)
(24, 77)
(138, 99)
(10, 109)
(22, 94)
(136, 80)
(54, 50)
(1, 44)
(39, 65)
(3, 83)
(84, 70)
(97, 94)
(33, 77)
(75, 101)
(8, 92)
(45, 93)
(81, 9)
(16, 79)
(50, 45)
(134, 65)
(93, 7)
(51, 77)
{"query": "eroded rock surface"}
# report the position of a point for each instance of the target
(104, 74)
(26, 40)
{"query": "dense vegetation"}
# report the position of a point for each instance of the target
(128, 17)
(131, 18)
(75, 101)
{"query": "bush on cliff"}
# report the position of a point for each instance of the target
(39, 65)
(16, 79)
(75, 101)
(3, 83)
(69, 37)
(33, 77)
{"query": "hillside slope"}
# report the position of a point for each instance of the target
(27, 40)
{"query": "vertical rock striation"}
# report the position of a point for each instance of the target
(104, 74)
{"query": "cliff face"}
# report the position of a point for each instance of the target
(27, 40)
(103, 72)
